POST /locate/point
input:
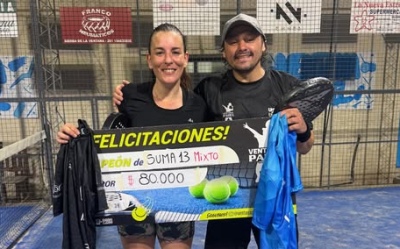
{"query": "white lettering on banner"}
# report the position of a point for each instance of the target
(96, 11)
(104, 221)
(6, 7)
(257, 155)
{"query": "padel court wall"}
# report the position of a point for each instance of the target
(46, 82)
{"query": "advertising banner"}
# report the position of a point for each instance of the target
(285, 17)
(96, 25)
(375, 17)
(200, 17)
(8, 18)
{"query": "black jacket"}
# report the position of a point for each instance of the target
(78, 191)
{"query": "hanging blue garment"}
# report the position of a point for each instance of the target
(273, 208)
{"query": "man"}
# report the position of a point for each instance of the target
(246, 90)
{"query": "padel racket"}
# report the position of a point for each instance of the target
(311, 97)
(116, 120)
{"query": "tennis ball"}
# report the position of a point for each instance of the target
(139, 213)
(217, 191)
(197, 190)
(232, 182)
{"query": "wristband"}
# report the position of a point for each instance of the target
(303, 137)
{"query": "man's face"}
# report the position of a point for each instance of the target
(243, 48)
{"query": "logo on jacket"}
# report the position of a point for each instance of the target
(270, 111)
(228, 114)
(57, 190)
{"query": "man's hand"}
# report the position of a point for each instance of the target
(67, 132)
(297, 124)
(295, 120)
(117, 94)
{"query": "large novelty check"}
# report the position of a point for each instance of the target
(200, 171)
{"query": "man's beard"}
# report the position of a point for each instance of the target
(246, 70)
(249, 69)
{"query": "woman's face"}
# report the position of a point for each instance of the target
(167, 57)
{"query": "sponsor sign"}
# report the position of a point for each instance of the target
(283, 16)
(195, 17)
(8, 18)
(96, 25)
(375, 17)
(176, 173)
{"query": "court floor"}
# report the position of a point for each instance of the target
(330, 219)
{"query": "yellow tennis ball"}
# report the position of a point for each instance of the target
(139, 213)
(197, 190)
(232, 182)
(217, 191)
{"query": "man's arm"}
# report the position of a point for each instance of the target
(305, 147)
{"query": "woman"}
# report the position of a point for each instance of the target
(165, 100)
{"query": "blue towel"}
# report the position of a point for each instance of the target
(273, 208)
